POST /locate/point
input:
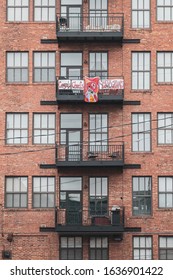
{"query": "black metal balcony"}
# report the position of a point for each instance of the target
(111, 90)
(77, 27)
(85, 222)
(89, 155)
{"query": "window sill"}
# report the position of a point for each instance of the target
(141, 29)
(164, 209)
(164, 22)
(165, 145)
(28, 145)
(17, 84)
(140, 91)
(28, 209)
(142, 217)
(30, 22)
(144, 153)
(28, 84)
(164, 84)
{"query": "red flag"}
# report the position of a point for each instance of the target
(91, 88)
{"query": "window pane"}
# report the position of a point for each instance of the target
(70, 183)
(71, 120)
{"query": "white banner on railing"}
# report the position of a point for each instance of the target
(103, 84)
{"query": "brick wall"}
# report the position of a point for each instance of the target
(29, 242)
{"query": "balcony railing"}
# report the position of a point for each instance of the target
(77, 154)
(89, 26)
(111, 89)
(87, 221)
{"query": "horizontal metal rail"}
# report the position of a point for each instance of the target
(105, 217)
(86, 152)
(90, 23)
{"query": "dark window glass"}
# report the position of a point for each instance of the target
(98, 193)
(98, 248)
(141, 196)
(166, 248)
(71, 248)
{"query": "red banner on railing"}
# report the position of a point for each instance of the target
(91, 88)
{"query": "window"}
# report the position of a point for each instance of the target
(72, 11)
(164, 10)
(16, 192)
(140, 70)
(68, 186)
(98, 136)
(43, 192)
(44, 67)
(44, 10)
(71, 65)
(98, 248)
(98, 13)
(141, 196)
(70, 124)
(98, 66)
(44, 128)
(17, 67)
(164, 67)
(142, 248)
(140, 13)
(165, 128)
(98, 192)
(166, 192)
(17, 10)
(141, 132)
(17, 128)
(71, 135)
(71, 200)
(166, 248)
(71, 248)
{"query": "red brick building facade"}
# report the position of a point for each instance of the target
(86, 180)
